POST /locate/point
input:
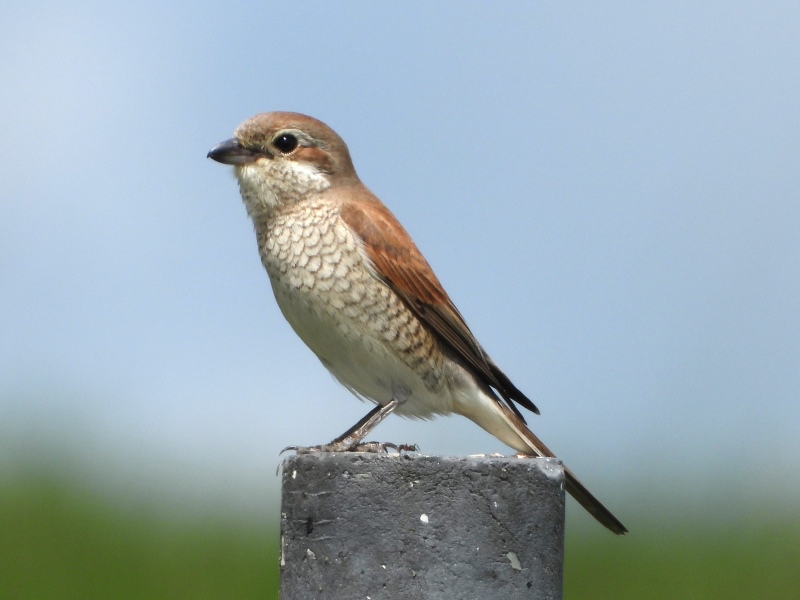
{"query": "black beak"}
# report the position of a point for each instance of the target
(231, 152)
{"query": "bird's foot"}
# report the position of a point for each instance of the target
(350, 440)
(351, 446)
(385, 446)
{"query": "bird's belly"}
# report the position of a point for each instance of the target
(356, 345)
(355, 324)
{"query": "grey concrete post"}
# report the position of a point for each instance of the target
(407, 527)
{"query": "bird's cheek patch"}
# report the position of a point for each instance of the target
(317, 157)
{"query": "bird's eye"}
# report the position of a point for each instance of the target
(285, 143)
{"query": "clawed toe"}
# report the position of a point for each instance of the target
(350, 446)
(379, 447)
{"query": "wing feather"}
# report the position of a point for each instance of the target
(399, 263)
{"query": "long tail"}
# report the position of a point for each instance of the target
(585, 498)
(510, 429)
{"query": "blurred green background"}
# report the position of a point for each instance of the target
(66, 536)
(608, 191)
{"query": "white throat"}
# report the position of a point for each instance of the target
(269, 184)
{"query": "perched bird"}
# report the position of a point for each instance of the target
(359, 293)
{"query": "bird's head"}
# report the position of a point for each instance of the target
(283, 158)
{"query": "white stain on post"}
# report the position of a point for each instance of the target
(515, 564)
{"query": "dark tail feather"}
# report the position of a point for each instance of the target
(574, 487)
(592, 504)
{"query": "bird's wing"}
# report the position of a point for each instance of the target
(398, 262)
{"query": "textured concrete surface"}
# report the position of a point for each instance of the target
(409, 526)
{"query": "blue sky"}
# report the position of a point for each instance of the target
(610, 192)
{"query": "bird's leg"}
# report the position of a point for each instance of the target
(350, 440)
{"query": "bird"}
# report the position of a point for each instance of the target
(356, 289)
